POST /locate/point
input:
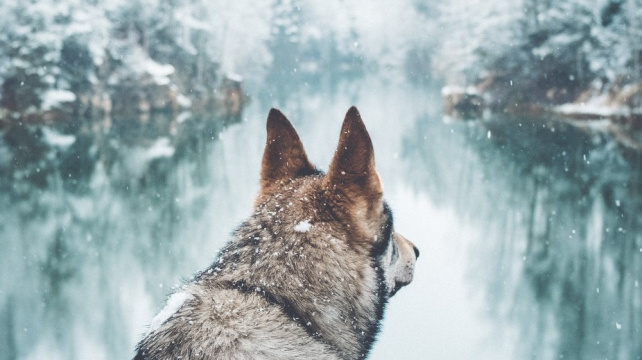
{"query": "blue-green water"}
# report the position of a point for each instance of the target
(529, 230)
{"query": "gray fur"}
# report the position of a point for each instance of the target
(292, 283)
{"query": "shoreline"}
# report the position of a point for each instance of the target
(597, 113)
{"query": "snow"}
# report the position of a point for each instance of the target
(137, 163)
(55, 97)
(139, 63)
(337, 27)
(56, 139)
(183, 116)
(456, 90)
(452, 89)
(303, 226)
(78, 28)
(159, 72)
(174, 303)
(594, 124)
(187, 20)
(234, 77)
(183, 101)
(588, 109)
(160, 149)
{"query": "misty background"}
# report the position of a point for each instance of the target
(508, 136)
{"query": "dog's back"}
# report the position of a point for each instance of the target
(307, 275)
(219, 323)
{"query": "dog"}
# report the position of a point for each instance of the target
(308, 275)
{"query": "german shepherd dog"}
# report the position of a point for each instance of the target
(307, 276)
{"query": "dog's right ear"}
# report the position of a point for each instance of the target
(284, 157)
(352, 179)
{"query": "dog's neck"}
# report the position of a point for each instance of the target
(337, 297)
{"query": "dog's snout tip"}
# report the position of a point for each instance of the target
(416, 251)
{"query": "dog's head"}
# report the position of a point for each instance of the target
(350, 194)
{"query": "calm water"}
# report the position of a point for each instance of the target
(529, 230)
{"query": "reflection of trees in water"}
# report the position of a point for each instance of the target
(559, 208)
(111, 202)
(7, 341)
(303, 63)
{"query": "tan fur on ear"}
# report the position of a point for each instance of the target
(284, 157)
(352, 180)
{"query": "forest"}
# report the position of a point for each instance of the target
(98, 57)
(508, 135)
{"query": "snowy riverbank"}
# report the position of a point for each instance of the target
(612, 112)
(63, 61)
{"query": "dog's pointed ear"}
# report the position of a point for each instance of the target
(284, 157)
(352, 178)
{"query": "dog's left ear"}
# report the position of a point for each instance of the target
(284, 157)
(352, 179)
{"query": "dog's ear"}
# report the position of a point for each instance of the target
(284, 157)
(352, 179)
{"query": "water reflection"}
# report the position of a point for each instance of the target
(538, 217)
(558, 208)
(91, 228)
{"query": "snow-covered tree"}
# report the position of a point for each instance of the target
(539, 51)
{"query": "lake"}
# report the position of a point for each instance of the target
(529, 229)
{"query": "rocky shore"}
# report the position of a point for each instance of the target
(614, 109)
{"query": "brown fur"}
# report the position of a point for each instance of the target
(308, 274)
(284, 157)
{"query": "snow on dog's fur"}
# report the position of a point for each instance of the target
(308, 275)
